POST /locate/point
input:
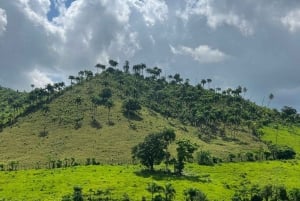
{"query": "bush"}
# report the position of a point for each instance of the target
(282, 152)
(249, 156)
(285, 152)
(204, 158)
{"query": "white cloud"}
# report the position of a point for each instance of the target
(152, 10)
(292, 20)
(36, 11)
(215, 17)
(3, 21)
(202, 53)
(39, 79)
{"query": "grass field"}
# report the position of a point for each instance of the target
(218, 182)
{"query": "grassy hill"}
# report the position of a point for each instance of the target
(89, 120)
(58, 123)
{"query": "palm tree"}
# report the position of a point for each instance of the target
(203, 82)
(154, 188)
(113, 63)
(126, 67)
(169, 192)
(271, 97)
(208, 82)
(245, 91)
(71, 77)
(142, 67)
(109, 104)
(100, 66)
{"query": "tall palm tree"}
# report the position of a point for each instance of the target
(208, 82)
(271, 97)
(126, 67)
(203, 82)
(71, 77)
(109, 104)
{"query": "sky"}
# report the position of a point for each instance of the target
(252, 43)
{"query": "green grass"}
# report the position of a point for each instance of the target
(218, 182)
(289, 136)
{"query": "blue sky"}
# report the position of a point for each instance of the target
(53, 11)
(254, 44)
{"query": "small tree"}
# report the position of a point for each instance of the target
(185, 150)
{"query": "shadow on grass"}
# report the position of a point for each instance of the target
(160, 175)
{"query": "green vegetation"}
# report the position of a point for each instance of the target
(111, 116)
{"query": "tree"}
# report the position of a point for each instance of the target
(169, 192)
(105, 94)
(208, 82)
(154, 188)
(150, 151)
(126, 67)
(203, 82)
(130, 106)
(177, 78)
(71, 77)
(109, 104)
(113, 63)
(271, 97)
(154, 148)
(100, 66)
(185, 150)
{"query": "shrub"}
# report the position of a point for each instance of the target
(204, 158)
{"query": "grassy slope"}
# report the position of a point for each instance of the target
(110, 144)
(285, 136)
(218, 182)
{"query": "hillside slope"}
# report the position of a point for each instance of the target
(76, 122)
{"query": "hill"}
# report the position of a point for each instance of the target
(95, 117)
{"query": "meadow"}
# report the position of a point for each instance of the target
(219, 182)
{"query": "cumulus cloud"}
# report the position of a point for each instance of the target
(292, 20)
(215, 16)
(3, 21)
(202, 53)
(152, 10)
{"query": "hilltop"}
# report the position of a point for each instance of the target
(103, 116)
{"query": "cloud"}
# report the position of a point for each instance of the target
(216, 17)
(292, 20)
(39, 79)
(57, 38)
(152, 10)
(3, 21)
(202, 53)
